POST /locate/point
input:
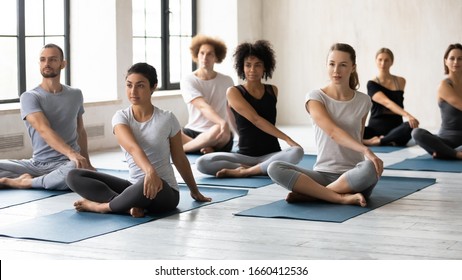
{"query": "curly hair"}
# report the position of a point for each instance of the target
(446, 54)
(354, 78)
(261, 49)
(199, 40)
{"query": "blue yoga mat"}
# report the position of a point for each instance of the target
(249, 182)
(70, 226)
(388, 189)
(114, 172)
(307, 161)
(193, 157)
(427, 163)
(386, 149)
(12, 197)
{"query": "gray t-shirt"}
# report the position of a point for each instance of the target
(214, 93)
(348, 115)
(61, 109)
(153, 136)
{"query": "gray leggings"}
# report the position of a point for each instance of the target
(214, 162)
(361, 179)
(47, 175)
(444, 145)
(121, 194)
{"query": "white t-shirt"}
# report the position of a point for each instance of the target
(214, 93)
(153, 136)
(347, 115)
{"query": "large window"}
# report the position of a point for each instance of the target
(27, 25)
(162, 32)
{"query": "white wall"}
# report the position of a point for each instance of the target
(417, 31)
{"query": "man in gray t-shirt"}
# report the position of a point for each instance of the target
(52, 113)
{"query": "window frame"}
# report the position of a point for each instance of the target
(166, 84)
(21, 47)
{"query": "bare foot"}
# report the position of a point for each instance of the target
(459, 155)
(294, 197)
(235, 173)
(85, 205)
(374, 141)
(354, 199)
(22, 182)
(207, 150)
(137, 212)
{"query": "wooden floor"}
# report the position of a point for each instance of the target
(423, 225)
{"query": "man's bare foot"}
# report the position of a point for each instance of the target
(137, 212)
(235, 173)
(294, 197)
(22, 182)
(354, 199)
(374, 141)
(207, 150)
(85, 205)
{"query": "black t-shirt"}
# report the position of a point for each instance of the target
(396, 96)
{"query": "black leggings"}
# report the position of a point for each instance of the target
(121, 194)
(395, 131)
(445, 147)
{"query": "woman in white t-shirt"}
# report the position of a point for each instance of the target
(149, 136)
(345, 171)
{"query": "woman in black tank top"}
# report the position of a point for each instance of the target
(253, 105)
(386, 126)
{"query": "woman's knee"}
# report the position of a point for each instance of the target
(297, 154)
(370, 171)
(363, 177)
(275, 169)
(281, 173)
(73, 177)
(203, 164)
(418, 133)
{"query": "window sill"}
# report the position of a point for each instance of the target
(9, 108)
(165, 93)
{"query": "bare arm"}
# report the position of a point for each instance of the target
(322, 118)
(184, 167)
(448, 94)
(240, 105)
(83, 140)
(152, 182)
(209, 113)
(39, 121)
(383, 100)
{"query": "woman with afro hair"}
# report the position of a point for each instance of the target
(253, 106)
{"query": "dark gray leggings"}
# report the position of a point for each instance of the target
(445, 146)
(121, 194)
(398, 135)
